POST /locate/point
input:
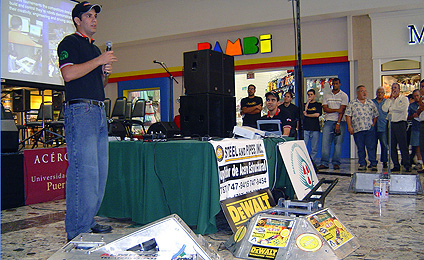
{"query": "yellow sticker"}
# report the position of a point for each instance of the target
(338, 224)
(284, 232)
(238, 236)
(309, 242)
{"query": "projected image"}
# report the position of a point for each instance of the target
(24, 48)
(56, 33)
(30, 33)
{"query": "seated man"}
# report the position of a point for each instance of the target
(274, 112)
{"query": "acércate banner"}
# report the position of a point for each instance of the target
(45, 174)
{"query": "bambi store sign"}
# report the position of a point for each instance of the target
(45, 174)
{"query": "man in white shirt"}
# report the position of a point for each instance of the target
(397, 108)
(334, 105)
(361, 117)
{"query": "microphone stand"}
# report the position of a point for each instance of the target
(171, 78)
(169, 73)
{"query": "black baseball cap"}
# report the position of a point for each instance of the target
(272, 93)
(84, 7)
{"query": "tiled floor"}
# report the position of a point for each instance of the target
(390, 230)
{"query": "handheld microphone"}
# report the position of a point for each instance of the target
(158, 62)
(108, 46)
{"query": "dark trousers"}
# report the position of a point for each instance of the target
(399, 137)
(422, 138)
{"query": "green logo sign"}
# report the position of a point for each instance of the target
(63, 55)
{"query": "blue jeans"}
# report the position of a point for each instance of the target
(87, 149)
(366, 139)
(382, 137)
(327, 139)
(313, 137)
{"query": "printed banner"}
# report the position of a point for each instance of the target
(299, 167)
(330, 228)
(272, 232)
(45, 174)
(242, 166)
(240, 209)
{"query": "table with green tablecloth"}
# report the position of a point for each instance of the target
(151, 180)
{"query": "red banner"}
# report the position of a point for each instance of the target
(45, 174)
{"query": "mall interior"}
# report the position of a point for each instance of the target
(160, 46)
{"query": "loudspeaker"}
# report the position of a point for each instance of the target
(228, 75)
(9, 136)
(207, 114)
(12, 180)
(21, 100)
(57, 99)
(208, 71)
(169, 129)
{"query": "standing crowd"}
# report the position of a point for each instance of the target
(370, 121)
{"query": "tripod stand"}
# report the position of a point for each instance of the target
(44, 135)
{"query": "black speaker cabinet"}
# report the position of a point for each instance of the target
(207, 115)
(57, 99)
(208, 72)
(169, 129)
(12, 181)
(9, 136)
(21, 100)
(228, 75)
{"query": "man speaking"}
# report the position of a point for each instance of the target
(85, 71)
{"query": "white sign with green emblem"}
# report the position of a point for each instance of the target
(299, 167)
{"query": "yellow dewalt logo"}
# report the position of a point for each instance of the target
(263, 252)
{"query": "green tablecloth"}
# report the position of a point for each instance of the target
(151, 180)
(282, 180)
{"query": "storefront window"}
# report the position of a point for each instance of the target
(321, 85)
(152, 97)
(400, 65)
(407, 82)
(279, 80)
(406, 72)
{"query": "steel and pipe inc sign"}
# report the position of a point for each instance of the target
(45, 174)
(242, 166)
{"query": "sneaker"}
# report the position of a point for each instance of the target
(336, 167)
(322, 167)
(385, 165)
(362, 168)
(418, 166)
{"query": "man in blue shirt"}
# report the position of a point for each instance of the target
(415, 130)
(381, 126)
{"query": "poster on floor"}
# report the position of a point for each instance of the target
(242, 166)
(45, 174)
(299, 167)
(240, 209)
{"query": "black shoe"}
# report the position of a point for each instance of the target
(374, 168)
(395, 169)
(384, 165)
(421, 171)
(322, 167)
(407, 169)
(101, 228)
(336, 167)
